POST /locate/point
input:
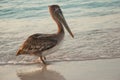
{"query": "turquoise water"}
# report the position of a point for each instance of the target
(36, 9)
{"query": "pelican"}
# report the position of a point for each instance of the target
(43, 44)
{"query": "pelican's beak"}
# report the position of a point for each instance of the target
(63, 22)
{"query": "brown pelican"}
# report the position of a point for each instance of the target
(44, 44)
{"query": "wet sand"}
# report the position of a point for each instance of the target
(106, 69)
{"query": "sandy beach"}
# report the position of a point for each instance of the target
(108, 69)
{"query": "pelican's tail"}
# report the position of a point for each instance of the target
(18, 53)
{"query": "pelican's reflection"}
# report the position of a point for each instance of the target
(42, 74)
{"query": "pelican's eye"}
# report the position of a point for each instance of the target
(58, 10)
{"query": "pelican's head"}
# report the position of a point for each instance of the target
(56, 13)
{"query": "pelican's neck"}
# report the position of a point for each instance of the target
(60, 27)
(60, 33)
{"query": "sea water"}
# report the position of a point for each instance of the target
(94, 23)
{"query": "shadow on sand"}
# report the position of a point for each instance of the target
(41, 74)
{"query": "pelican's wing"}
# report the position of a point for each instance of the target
(36, 44)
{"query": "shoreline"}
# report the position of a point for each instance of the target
(52, 61)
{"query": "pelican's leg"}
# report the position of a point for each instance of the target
(42, 60)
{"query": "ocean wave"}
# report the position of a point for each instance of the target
(35, 9)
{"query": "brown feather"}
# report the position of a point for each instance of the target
(37, 43)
